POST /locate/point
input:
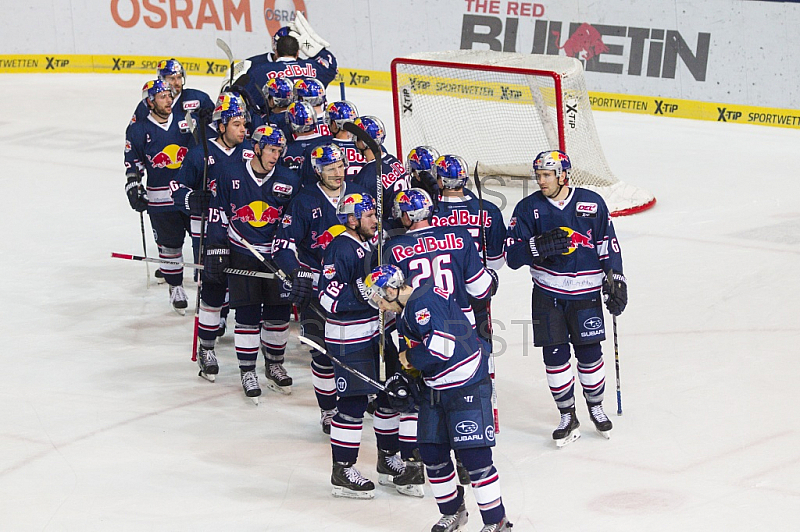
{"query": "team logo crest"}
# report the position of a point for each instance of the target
(287, 220)
(422, 316)
(512, 223)
(329, 270)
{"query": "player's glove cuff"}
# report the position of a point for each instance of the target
(534, 251)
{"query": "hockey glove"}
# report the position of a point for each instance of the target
(310, 43)
(216, 260)
(302, 287)
(400, 391)
(553, 242)
(495, 280)
(615, 293)
(136, 195)
(197, 201)
(205, 115)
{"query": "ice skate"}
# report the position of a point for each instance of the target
(455, 522)
(277, 379)
(411, 481)
(567, 431)
(349, 482)
(207, 360)
(502, 526)
(601, 422)
(178, 299)
(389, 466)
(325, 418)
(159, 276)
(250, 385)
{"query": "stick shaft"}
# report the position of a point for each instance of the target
(229, 271)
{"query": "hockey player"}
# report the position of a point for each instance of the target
(352, 335)
(267, 57)
(321, 65)
(566, 238)
(306, 230)
(227, 153)
(155, 147)
(457, 208)
(420, 164)
(303, 121)
(251, 202)
(393, 176)
(454, 399)
(337, 114)
(279, 95)
(312, 92)
(185, 99)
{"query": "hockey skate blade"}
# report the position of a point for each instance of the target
(179, 311)
(341, 491)
(411, 490)
(208, 377)
(605, 434)
(574, 435)
(283, 390)
(384, 479)
(254, 399)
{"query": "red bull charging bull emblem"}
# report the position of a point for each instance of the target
(578, 239)
(326, 237)
(170, 156)
(257, 214)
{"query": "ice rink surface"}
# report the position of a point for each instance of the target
(106, 426)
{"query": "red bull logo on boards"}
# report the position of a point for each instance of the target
(578, 239)
(171, 156)
(256, 213)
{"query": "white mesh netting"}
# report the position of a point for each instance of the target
(501, 109)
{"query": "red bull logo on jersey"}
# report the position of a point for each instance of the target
(428, 244)
(294, 71)
(326, 237)
(578, 240)
(171, 156)
(328, 271)
(354, 156)
(462, 217)
(256, 213)
(394, 174)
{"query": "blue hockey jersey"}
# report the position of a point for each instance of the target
(221, 162)
(465, 212)
(251, 208)
(298, 151)
(394, 179)
(307, 229)
(157, 152)
(441, 342)
(594, 249)
(441, 257)
(188, 100)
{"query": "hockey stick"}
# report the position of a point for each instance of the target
(495, 410)
(341, 90)
(376, 384)
(229, 271)
(144, 246)
(612, 288)
(201, 242)
(227, 49)
(375, 148)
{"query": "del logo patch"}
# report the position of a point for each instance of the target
(586, 209)
(422, 316)
(190, 105)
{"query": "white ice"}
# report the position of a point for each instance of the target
(104, 424)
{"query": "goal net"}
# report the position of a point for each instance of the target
(500, 110)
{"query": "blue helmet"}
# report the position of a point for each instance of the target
(452, 170)
(326, 154)
(153, 87)
(169, 67)
(279, 90)
(373, 126)
(301, 117)
(340, 112)
(355, 204)
(229, 105)
(381, 278)
(555, 160)
(414, 202)
(309, 90)
(282, 32)
(422, 158)
(269, 135)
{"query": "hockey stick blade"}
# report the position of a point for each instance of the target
(314, 345)
(364, 137)
(225, 48)
(229, 271)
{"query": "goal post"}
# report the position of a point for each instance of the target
(502, 109)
